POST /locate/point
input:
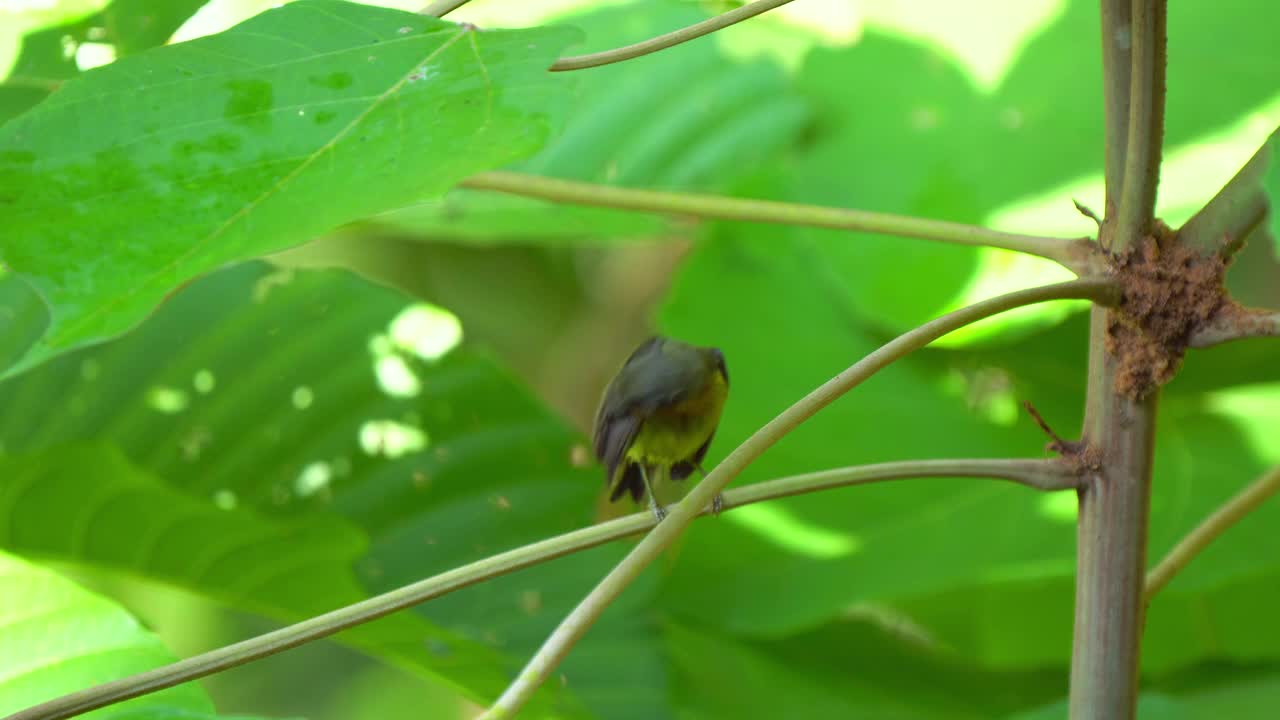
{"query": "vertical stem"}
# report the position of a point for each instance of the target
(1115, 498)
(1146, 119)
(1117, 44)
(1112, 543)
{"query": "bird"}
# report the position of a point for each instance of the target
(658, 416)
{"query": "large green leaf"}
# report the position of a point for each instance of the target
(56, 637)
(693, 117)
(290, 442)
(238, 144)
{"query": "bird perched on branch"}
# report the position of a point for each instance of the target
(658, 415)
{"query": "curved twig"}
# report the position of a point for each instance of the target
(1040, 474)
(440, 8)
(671, 39)
(1146, 122)
(1244, 502)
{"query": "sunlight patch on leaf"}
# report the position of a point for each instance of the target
(1061, 507)
(313, 479)
(1255, 410)
(93, 54)
(302, 397)
(781, 527)
(391, 439)
(167, 400)
(395, 377)
(225, 499)
(985, 37)
(426, 331)
(204, 381)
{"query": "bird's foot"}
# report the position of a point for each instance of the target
(717, 504)
(659, 512)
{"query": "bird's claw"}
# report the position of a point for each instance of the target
(717, 504)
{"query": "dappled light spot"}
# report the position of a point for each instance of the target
(784, 529)
(395, 377)
(1060, 506)
(89, 369)
(302, 397)
(421, 480)
(94, 54)
(501, 502)
(224, 499)
(204, 381)
(1255, 412)
(167, 400)
(314, 478)
(426, 331)
(390, 438)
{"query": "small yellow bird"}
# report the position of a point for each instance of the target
(658, 415)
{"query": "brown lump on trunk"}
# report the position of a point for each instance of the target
(1170, 291)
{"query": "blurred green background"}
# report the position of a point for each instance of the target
(412, 390)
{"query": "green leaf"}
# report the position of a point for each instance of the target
(56, 638)
(690, 118)
(288, 442)
(845, 669)
(238, 144)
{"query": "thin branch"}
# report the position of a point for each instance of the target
(1239, 207)
(1044, 475)
(440, 8)
(662, 42)
(1244, 502)
(1146, 122)
(1070, 252)
(1236, 323)
(588, 611)
(1117, 44)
